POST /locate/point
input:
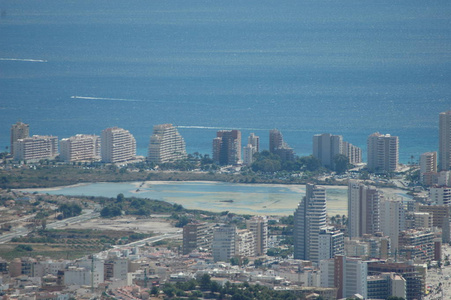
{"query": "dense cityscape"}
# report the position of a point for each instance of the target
(386, 247)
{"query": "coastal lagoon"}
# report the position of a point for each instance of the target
(255, 199)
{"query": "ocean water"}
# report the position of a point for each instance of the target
(305, 67)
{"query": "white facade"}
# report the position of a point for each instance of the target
(428, 162)
(254, 140)
(347, 274)
(245, 243)
(444, 152)
(363, 209)
(36, 147)
(326, 146)
(444, 178)
(382, 152)
(81, 147)
(309, 219)
(248, 154)
(117, 145)
(223, 246)
(330, 244)
(166, 144)
(440, 195)
(353, 153)
(18, 131)
(393, 220)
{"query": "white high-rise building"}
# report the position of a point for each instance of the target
(353, 153)
(245, 243)
(36, 147)
(258, 225)
(18, 131)
(393, 220)
(81, 147)
(117, 145)
(248, 154)
(166, 144)
(428, 162)
(382, 152)
(254, 140)
(331, 243)
(363, 209)
(309, 219)
(223, 246)
(347, 274)
(444, 150)
(440, 195)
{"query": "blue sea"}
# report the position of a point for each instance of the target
(304, 67)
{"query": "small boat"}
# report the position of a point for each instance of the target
(228, 201)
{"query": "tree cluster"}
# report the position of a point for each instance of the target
(69, 210)
(268, 162)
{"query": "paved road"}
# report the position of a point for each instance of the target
(440, 279)
(22, 231)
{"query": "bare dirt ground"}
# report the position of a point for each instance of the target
(155, 224)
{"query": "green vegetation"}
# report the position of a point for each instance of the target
(21, 248)
(69, 210)
(205, 288)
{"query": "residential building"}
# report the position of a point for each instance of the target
(428, 162)
(258, 225)
(81, 147)
(197, 236)
(382, 152)
(254, 140)
(440, 195)
(326, 146)
(363, 209)
(117, 145)
(440, 218)
(309, 219)
(330, 243)
(36, 147)
(248, 154)
(416, 244)
(166, 144)
(245, 243)
(227, 147)
(393, 220)
(444, 151)
(116, 267)
(414, 280)
(353, 153)
(385, 285)
(223, 246)
(278, 146)
(444, 178)
(18, 131)
(347, 274)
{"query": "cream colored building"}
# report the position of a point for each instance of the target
(166, 144)
(383, 152)
(18, 131)
(258, 225)
(36, 147)
(81, 147)
(444, 159)
(117, 145)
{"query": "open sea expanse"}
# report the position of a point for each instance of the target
(253, 199)
(305, 67)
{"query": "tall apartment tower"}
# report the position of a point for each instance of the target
(278, 146)
(331, 243)
(353, 153)
(18, 131)
(254, 140)
(382, 152)
(347, 274)
(166, 144)
(197, 236)
(227, 147)
(393, 220)
(326, 146)
(81, 147)
(36, 147)
(428, 162)
(363, 209)
(258, 225)
(117, 145)
(248, 154)
(223, 246)
(444, 150)
(309, 219)
(275, 140)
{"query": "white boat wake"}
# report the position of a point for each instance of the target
(24, 59)
(106, 99)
